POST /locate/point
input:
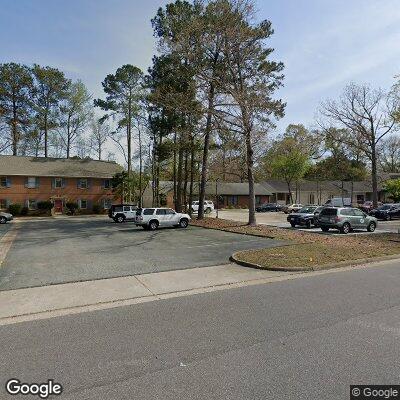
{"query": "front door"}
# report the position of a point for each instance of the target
(58, 206)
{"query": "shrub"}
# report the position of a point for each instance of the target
(96, 209)
(24, 211)
(45, 205)
(71, 207)
(15, 209)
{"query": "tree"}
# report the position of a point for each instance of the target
(249, 82)
(366, 117)
(98, 137)
(124, 186)
(50, 88)
(74, 115)
(392, 187)
(389, 154)
(124, 92)
(286, 161)
(15, 103)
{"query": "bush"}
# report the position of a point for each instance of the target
(24, 211)
(71, 207)
(96, 209)
(15, 209)
(44, 205)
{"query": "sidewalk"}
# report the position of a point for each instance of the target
(55, 300)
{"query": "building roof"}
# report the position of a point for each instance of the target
(224, 188)
(57, 167)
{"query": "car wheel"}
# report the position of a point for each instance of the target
(208, 210)
(345, 228)
(324, 229)
(293, 224)
(183, 223)
(371, 227)
(120, 219)
(3, 220)
(388, 217)
(153, 225)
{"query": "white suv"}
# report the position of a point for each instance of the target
(152, 218)
(208, 206)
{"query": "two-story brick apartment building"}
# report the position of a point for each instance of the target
(28, 180)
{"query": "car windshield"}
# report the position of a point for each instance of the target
(386, 207)
(307, 210)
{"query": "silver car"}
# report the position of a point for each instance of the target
(5, 217)
(345, 219)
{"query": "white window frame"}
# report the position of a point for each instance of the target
(86, 186)
(29, 185)
(56, 181)
(86, 205)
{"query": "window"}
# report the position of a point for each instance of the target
(118, 208)
(83, 183)
(32, 204)
(148, 211)
(329, 211)
(83, 204)
(31, 182)
(282, 196)
(3, 204)
(58, 183)
(347, 212)
(258, 200)
(127, 208)
(3, 181)
(160, 212)
(169, 211)
(107, 183)
(360, 199)
(357, 212)
(107, 203)
(232, 200)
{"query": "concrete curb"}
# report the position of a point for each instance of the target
(234, 258)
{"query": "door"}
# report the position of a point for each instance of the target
(58, 206)
(358, 218)
(161, 216)
(171, 217)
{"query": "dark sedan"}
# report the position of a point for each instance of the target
(267, 207)
(387, 212)
(307, 216)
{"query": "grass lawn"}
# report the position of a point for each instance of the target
(309, 250)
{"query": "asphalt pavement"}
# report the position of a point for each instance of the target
(78, 249)
(306, 338)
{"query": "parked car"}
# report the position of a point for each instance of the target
(5, 217)
(386, 212)
(208, 206)
(122, 212)
(307, 216)
(266, 207)
(292, 208)
(152, 218)
(345, 219)
(339, 202)
(368, 206)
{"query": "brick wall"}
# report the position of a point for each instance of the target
(17, 192)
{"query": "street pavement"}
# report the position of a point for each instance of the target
(4, 229)
(305, 338)
(52, 251)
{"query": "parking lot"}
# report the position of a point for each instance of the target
(279, 219)
(76, 249)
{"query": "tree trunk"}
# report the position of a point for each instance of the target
(192, 166)
(45, 135)
(204, 166)
(14, 130)
(129, 143)
(290, 192)
(374, 175)
(250, 165)
(140, 168)
(185, 181)
(178, 202)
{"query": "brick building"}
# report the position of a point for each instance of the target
(29, 180)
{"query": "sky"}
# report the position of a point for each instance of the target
(324, 44)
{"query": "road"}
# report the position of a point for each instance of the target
(306, 338)
(78, 249)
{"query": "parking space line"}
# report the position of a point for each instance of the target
(6, 242)
(224, 243)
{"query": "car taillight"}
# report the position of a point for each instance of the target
(337, 219)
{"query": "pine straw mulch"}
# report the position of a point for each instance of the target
(309, 250)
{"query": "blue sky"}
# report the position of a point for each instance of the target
(324, 43)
